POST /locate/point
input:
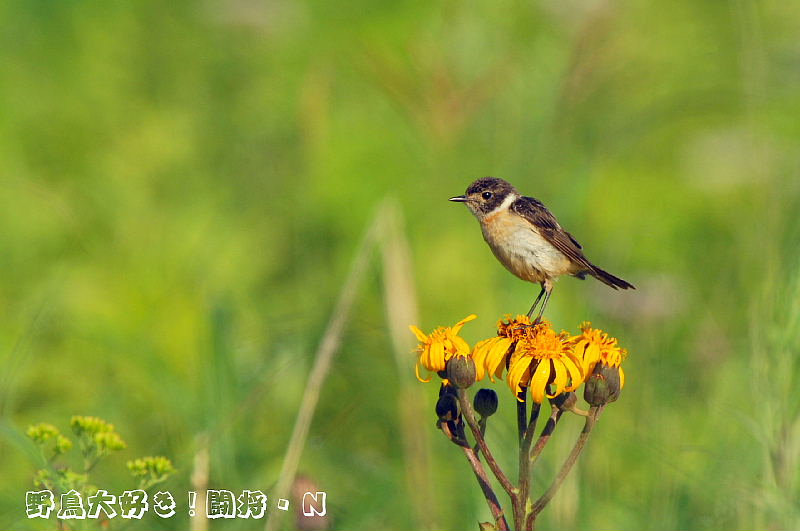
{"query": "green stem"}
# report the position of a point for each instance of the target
(540, 504)
(524, 459)
(482, 426)
(547, 432)
(483, 479)
(469, 416)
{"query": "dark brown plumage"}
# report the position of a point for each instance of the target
(534, 211)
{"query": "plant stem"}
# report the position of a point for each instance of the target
(547, 431)
(469, 415)
(486, 488)
(482, 426)
(483, 480)
(525, 462)
(531, 429)
(522, 414)
(540, 504)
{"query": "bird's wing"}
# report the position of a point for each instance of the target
(537, 214)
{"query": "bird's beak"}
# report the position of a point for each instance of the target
(459, 199)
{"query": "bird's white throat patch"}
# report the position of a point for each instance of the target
(510, 198)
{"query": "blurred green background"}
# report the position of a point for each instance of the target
(183, 186)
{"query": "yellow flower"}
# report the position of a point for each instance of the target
(490, 355)
(543, 359)
(440, 345)
(593, 346)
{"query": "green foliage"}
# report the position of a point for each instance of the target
(62, 480)
(43, 433)
(151, 471)
(97, 439)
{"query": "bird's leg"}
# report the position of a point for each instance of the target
(548, 287)
(538, 298)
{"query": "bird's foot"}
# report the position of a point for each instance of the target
(535, 322)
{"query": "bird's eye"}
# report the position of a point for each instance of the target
(487, 195)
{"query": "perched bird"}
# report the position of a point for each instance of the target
(527, 238)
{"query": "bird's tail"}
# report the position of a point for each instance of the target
(607, 278)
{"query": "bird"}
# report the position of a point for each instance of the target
(528, 240)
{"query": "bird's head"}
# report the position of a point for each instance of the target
(487, 195)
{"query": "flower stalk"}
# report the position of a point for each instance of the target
(540, 504)
(537, 363)
(469, 416)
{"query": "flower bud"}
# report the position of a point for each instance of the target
(564, 401)
(62, 445)
(602, 386)
(461, 371)
(42, 432)
(447, 389)
(485, 402)
(447, 407)
(151, 470)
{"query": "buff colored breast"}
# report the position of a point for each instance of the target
(520, 248)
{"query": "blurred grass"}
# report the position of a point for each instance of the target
(184, 185)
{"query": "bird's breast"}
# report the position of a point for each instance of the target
(522, 249)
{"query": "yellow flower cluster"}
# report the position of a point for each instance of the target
(594, 346)
(440, 345)
(532, 356)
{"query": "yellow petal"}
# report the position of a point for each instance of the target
(425, 357)
(479, 357)
(417, 332)
(590, 358)
(575, 374)
(616, 357)
(560, 379)
(621, 378)
(486, 349)
(516, 372)
(460, 345)
(437, 357)
(592, 352)
(420, 378)
(447, 344)
(539, 380)
(495, 360)
(457, 327)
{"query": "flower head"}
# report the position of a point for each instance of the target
(543, 361)
(594, 346)
(491, 354)
(440, 345)
(151, 470)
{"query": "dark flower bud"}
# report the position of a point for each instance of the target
(602, 386)
(447, 407)
(564, 401)
(485, 402)
(448, 389)
(461, 371)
